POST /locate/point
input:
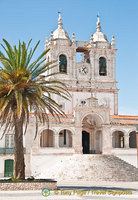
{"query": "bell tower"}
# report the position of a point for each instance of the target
(62, 49)
(93, 76)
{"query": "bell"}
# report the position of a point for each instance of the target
(62, 68)
(102, 71)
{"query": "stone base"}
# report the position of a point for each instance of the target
(30, 185)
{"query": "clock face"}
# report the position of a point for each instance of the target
(83, 69)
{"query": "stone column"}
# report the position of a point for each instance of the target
(126, 141)
(106, 139)
(94, 139)
(116, 103)
(91, 140)
(77, 140)
(56, 140)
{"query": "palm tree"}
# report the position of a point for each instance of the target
(26, 87)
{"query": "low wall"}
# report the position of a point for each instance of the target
(30, 185)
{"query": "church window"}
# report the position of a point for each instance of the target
(132, 140)
(9, 140)
(63, 63)
(102, 66)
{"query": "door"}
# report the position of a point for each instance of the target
(8, 168)
(85, 142)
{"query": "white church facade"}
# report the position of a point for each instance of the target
(93, 125)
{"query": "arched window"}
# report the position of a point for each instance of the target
(47, 138)
(118, 139)
(63, 63)
(132, 140)
(65, 138)
(102, 66)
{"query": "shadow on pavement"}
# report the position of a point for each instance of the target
(93, 188)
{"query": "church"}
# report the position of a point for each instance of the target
(92, 126)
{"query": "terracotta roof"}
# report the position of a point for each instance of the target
(124, 116)
(124, 119)
(114, 119)
(50, 115)
(68, 119)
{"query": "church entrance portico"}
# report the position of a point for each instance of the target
(91, 136)
(93, 119)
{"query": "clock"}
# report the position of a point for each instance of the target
(83, 69)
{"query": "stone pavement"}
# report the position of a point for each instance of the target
(77, 191)
(133, 185)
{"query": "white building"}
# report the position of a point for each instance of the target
(93, 125)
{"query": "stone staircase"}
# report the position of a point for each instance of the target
(91, 168)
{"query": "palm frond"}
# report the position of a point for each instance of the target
(24, 90)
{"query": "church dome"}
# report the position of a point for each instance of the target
(98, 36)
(60, 33)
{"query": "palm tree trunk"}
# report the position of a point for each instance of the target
(19, 165)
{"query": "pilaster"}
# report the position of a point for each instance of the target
(77, 140)
(56, 140)
(107, 139)
(126, 141)
(116, 103)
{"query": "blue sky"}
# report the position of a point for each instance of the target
(36, 18)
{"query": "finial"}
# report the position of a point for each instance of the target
(91, 40)
(113, 41)
(51, 37)
(98, 23)
(59, 20)
(73, 37)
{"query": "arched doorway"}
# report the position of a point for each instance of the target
(91, 134)
(8, 168)
(65, 138)
(118, 139)
(47, 138)
(132, 140)
(85, 142)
